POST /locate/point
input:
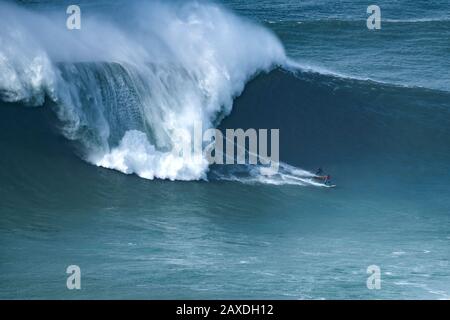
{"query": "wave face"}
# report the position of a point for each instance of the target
(122, 89)
(364, 133)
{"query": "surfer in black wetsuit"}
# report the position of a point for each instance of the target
(320, 176)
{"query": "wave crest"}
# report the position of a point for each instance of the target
(121, 90)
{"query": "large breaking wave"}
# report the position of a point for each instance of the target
(121, 89)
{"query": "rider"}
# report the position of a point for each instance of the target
(320, 175)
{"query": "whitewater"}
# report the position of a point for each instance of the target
(121, 90)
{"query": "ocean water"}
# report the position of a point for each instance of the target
(87, 117)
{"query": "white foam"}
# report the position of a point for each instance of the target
(286, 175)
(135, 154)
(180, 63)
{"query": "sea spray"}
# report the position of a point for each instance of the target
(126, 88)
